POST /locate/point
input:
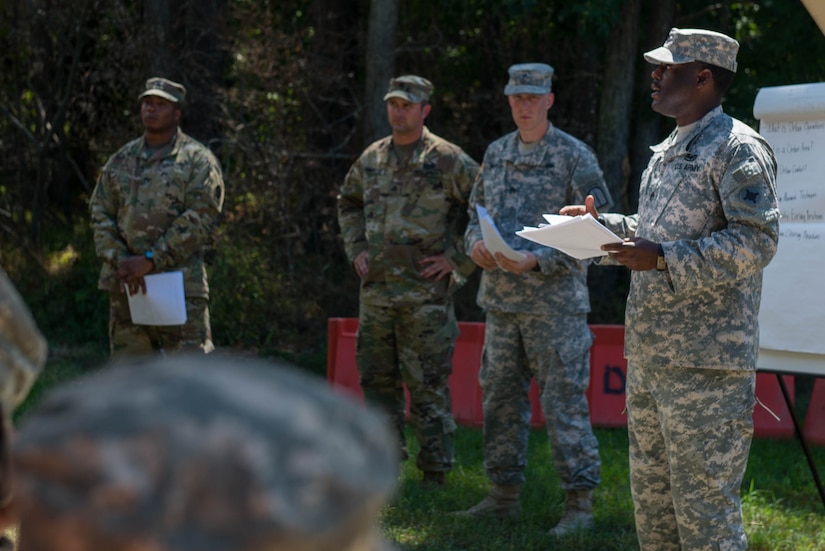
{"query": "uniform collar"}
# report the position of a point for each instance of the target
(685, 143)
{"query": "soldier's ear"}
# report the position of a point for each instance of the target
(704, 77)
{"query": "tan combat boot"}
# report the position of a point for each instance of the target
(502, 502)
(578, 513)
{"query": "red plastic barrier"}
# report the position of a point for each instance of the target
(466, 394)
(814, 428)
(608, 369)
(464, 387)
(606, 393)
(769, 393)
(606, 396)
(341, 369)
(608, 373)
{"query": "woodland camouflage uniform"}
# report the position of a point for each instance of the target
(167, 202)
(401, 211)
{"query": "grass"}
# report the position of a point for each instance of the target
(781, 505)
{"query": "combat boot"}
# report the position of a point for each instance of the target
(578, 513)
(502, 502)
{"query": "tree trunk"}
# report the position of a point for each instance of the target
(160, 19)
(201, 62)
(616, 105)
(380, 65)
(649, 124)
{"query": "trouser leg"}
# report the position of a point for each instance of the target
(690, 434)
(426, 342)
(505, 383)
(559, 353)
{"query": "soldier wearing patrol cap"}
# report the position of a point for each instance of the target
(154, 210)
(402, 211)
(706, 228)
(536, 305)
(188, 453)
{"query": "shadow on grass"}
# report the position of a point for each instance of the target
(419, 519)
(781, 505)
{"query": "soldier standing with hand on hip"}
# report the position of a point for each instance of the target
(402, 212)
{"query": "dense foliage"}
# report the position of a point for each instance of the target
(277, 90)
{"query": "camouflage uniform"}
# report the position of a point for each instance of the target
(199, 454)
(23, 353)
(167, 203)
(536, 322)
(692, 336)
(400, 212)
(22, 347)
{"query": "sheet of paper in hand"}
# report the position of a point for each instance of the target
(578, 236)
(164, 302)
(492, 238)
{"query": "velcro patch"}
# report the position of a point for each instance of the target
(747, 171)
(750, 195)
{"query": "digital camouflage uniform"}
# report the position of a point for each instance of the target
(193, 453)
(691, 331)
(23, 351)
(167, 203)
(400, 212)
(23, 348)
(536, 322)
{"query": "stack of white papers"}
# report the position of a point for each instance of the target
(164, 302)
(492, 238)
(578, 236)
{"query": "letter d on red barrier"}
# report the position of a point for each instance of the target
(608, 373)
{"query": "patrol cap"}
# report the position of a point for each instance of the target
(203, 454)
(529, 78)
(412, 88)
(165, 89)
(687, 45)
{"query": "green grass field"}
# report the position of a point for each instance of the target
(782, 507)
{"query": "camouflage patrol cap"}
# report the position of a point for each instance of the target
(206, 454)
(165, 89)
(412, 88)
(687, 45)
(529, 78)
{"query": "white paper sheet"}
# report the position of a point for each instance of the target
(792, 103)
(793, 297)
(578, 236)
(164, 302)
(792, 119)
(492, 237)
